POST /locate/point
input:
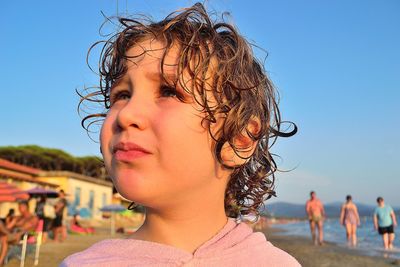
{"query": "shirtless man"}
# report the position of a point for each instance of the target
(13, 231)
(316, 215)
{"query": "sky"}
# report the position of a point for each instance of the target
(336, 65)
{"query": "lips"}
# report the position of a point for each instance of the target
(128, 151)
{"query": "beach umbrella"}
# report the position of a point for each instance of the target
(84, 213)
(11, 193)
(113, 208)
(38, 192)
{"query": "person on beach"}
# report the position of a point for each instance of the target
(59, 227)
(350, 219)
(77, 228)
(189, 121)
(384, 222)
(316, 215)
(21, 224)
(40, 212)
(9, 217)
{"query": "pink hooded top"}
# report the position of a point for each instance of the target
(234, 245)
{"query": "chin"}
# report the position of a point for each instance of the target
(132, 190)
(131, 195)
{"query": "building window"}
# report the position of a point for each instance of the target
(91, 200)
(77, 201)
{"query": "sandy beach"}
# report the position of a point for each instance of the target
(52, 254)
(327, 255)
(308, 255)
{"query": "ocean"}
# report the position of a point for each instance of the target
(369, 241)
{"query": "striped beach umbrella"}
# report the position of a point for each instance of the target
(113, 208)
(11, 193)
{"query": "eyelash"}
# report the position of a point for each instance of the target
(119, 95)
(165, 91)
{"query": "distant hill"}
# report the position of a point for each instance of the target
(291, 210)
(284, 209)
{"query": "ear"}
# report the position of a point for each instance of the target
(244, 145)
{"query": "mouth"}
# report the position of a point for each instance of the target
(128, 151)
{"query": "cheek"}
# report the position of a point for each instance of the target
(105, 137)
(182, 129)
(185, 143)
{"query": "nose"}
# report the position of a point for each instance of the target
(134, 114)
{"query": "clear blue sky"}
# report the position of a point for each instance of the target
(335, 63)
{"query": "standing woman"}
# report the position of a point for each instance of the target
(350, 219)
(40, 211)
(59, 228)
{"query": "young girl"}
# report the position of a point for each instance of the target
(190, 114)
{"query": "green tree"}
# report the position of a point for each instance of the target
(51, 159)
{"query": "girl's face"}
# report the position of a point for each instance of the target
(154, 146)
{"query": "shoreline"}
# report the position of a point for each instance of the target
(329, 254)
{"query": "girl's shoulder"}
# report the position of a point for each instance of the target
(258, 251)
(240, 246)
(123, 252)
(92, 255)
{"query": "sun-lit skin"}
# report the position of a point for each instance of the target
(178, 179)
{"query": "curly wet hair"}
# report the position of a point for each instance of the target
(238, 93)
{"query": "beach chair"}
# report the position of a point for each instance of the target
(30, 242)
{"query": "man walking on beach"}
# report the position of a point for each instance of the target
(316, 214)
(384, 222)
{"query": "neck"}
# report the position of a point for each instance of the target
(186, 228)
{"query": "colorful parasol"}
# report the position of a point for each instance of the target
(39, 191)
(113, 208)
(11, 193)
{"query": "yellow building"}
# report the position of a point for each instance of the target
(24, 178)
(84, 193)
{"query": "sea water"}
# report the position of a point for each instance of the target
(369, 241)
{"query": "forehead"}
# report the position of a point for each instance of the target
(154, 54)
(149, 53)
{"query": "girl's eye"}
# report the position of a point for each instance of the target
(119, 95)
(168, 91)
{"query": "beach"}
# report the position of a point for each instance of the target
(327, 255)
(51, 254)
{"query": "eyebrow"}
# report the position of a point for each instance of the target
(122, 80)
(155, 76)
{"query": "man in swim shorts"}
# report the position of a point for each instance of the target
(384, 222)
(316, 214)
